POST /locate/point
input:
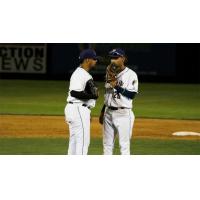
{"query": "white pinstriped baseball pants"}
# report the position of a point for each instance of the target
(117, 122)
(78, 119)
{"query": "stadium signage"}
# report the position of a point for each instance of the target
(15, 58)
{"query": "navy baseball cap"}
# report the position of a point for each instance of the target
(115, 53)
(88, 53)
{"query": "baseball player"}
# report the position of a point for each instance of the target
(81, 99)
(116, 115)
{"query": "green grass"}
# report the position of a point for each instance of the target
(175, 101)
(180, 101)
(58, 146)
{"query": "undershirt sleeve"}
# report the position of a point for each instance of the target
(125, 92)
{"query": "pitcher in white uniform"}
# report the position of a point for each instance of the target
(81, 99)
(117, 116)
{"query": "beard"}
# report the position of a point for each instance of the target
(92, 67)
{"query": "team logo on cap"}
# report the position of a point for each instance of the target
(113, 51)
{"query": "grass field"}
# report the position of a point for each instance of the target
(179, 101)
(58, 146)
(173, 101)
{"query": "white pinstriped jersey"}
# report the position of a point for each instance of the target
(128, 80)
(78, 82)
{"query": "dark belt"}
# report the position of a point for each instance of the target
(85, 105)
(115, 108)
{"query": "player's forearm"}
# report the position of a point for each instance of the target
(126, 93)
(82, 95)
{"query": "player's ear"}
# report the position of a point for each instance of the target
(87, 60)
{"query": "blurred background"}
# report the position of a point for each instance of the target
(153, 62)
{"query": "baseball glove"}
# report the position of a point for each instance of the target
(91, 88)
(111, 72)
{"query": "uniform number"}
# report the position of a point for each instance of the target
(116, 95)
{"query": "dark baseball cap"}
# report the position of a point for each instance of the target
(115, 53)
(88, 53)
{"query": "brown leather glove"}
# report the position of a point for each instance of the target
(111, 73)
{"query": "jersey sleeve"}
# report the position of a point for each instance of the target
(78, 81)
(133, 82)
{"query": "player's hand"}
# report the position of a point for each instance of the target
(101, 118)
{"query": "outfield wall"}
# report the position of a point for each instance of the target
(152, 62)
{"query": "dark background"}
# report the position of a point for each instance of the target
(152, 62)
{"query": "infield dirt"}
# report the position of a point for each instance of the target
(55, 126)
